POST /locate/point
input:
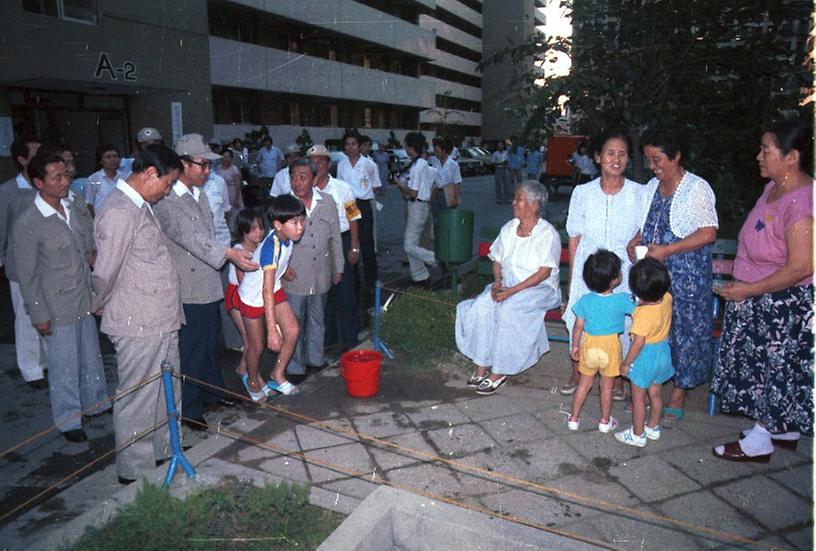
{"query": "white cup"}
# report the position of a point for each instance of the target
(640, 252)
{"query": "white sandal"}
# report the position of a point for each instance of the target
(285, 387)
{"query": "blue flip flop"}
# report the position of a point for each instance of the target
(259, 396)
(676, 414)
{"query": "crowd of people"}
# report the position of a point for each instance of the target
(161, 246)
(641, 290)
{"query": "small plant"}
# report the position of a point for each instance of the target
(235, 515)
(304, 140)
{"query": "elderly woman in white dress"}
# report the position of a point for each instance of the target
(502, 330)
(603, 214)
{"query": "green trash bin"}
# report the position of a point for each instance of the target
(454, 239)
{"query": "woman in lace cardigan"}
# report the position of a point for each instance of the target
(679, 231)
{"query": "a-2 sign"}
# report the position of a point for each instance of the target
(127, 71)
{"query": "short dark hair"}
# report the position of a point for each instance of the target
(19, 148)
(444, 143)
(352, 134)
(266, 138)
(227, 151)
(244, 220)
(415, 140)
(158, 156)
(365, 139)
(285, 207)
(103, 148)
(649, 280)
(668, 139)
(599, 141)
(303, 161)
(600, 270)
(794, 134)
(39, 162)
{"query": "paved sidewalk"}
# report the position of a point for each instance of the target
(519, 432)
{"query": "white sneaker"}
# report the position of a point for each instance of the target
(611, 424)
(629, 437)
(573, 425)
(652, 433)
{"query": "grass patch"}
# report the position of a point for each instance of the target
(235, 515)
(421, 323)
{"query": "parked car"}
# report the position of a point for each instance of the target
(400, 161)
(470, 164)
(484, 157)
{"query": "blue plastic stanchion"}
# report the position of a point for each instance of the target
(173, 424)
(378, 342)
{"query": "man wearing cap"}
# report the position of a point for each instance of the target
(16, 195)
(363, 177)
(341, 303)
(144, 137)
(186, 218)
(281, 185)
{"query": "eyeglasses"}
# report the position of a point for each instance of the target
(202, 164)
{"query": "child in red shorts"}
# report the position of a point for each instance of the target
(250, 227)
(268, 318)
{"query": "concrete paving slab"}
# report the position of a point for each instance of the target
(546, 459)
(634, 534)
(760, 498)
(592, 443)
(435, 479)
(797, 479)
(800, 539)
(310, 437)
(436, 416)
(406, 453)
(699, 464)
(383, 424)
(347, 457)
(460, 441)
(651, 478)
(479, 410)
(515, 429)
(707, 510)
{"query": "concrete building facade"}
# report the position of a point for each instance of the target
(94, 71)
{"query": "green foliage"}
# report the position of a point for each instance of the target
(721, 70)
(277, 517)
(421, 323)
(304, 140)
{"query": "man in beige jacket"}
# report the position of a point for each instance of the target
(137, 286)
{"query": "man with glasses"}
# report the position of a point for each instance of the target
(187, 220)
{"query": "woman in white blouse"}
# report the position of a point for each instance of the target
(605, 213)
(502, 330)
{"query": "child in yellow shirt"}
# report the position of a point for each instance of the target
(648, 363)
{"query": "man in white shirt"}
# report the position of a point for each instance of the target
(103, 181)
(416, 188)
(269, 160)
(341, 304)
(281, 184)
(364, 178)
(16, 195)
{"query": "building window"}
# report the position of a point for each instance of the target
(83, 11)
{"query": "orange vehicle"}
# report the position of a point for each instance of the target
(559, 171)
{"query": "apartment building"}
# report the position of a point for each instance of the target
(92, 71)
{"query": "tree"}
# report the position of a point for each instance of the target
(720, 70)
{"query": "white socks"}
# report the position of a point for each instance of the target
(757, 441)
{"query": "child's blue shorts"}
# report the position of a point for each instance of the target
(652, 366)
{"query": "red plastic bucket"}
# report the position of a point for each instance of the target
(361, 371)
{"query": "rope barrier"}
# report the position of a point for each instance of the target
(110, 399)
(78, 471)
(378, 479)
(493, 475)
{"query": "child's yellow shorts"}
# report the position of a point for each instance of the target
(600, 353)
